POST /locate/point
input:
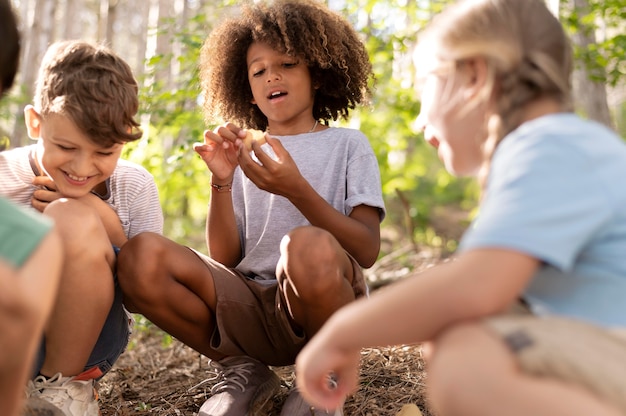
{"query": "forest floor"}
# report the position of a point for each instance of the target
(156, 374)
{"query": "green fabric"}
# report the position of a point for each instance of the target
(21, 231)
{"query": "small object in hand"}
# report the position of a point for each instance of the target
(253, 135)
(332, 381)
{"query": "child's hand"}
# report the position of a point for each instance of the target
(220, 148)
(326, 374)
(46, 194)
(276, 173)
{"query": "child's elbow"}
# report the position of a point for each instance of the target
(366, 259)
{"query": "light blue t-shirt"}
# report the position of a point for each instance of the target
(557, 191)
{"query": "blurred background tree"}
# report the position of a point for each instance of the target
(427, 208)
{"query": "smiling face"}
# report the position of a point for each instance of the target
(75, 164)
(282, 89)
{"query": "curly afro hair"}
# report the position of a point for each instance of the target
(306, 29)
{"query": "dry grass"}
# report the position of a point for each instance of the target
(153, 377)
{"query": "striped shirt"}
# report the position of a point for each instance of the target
(131, 190)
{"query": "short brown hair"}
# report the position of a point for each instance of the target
(93, 87)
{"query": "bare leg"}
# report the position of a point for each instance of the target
(26, 298)
(472, 372)
(172, 287)
(85, 292)
(315, 274)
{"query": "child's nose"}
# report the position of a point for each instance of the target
(273, 75)
(429, 136)
(82, 165)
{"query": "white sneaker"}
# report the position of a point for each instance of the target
(74, 397)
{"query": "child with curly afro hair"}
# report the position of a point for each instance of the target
(325, 42)
(295, 205)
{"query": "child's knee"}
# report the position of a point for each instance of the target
(77, 222)
(466, 362)
(139, 262)
(310, 246)
(144, 250)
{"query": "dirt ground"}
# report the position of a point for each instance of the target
(154, 379)
(156, 373)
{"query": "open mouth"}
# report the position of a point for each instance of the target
(76, 180)
(276, 94)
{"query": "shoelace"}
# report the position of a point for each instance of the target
(232, 376)
(40, 383)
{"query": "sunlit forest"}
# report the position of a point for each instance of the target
(427, 208)
(161, 40)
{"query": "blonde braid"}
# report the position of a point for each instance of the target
(534, 78)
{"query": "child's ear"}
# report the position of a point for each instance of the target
(33, 122)
(477, 73)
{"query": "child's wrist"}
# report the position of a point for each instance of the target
(222, 188)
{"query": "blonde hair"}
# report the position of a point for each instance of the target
(93, 87)
(526, 49)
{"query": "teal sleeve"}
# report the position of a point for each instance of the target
(21, 231)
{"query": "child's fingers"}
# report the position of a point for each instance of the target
(44, 182)
(322, 394)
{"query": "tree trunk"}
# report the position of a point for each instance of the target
(142, 36)
(111, 20)
(71, 20)
(164, 41)
(103, 18)
(41, 23)
(589, 96)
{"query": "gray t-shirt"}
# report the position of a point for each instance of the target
(556, 192)
(340, 165)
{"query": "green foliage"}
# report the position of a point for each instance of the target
(604, 60)
(143, 326)
(415, 183)
(175, 122)
(11, 113)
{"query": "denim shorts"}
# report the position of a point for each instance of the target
(112, 340)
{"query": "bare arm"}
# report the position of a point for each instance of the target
(222, 235)
(26, 299)
(220, 155)
(478, 284)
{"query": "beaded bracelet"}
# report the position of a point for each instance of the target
(222, 188)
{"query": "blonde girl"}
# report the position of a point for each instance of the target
(548, 241)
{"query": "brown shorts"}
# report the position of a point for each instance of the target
(568, 350)
(252, 317)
